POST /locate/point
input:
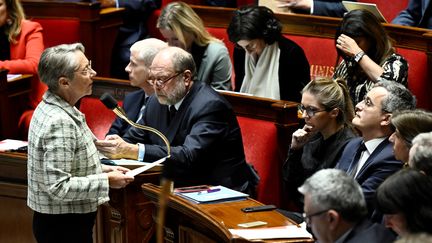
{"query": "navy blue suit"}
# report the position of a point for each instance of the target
(132, 104)
(205, 138)
(332, 8)
(380, 165)
(366, 231)
(417, 14)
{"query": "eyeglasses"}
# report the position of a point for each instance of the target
(310, 111)
(162, 82)
(87, 69)
(307, 218)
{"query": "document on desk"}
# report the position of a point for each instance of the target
(282, 232)
(148, 166)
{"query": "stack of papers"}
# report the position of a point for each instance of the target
(13, 145)
(214, 194)
(282, 232)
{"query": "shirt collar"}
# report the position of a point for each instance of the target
(372, 144)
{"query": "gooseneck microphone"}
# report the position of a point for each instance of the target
(112, 104)
(167, 184)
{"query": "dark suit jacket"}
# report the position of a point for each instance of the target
(294, 69)
(206, 143)
(380, 165)
(366, 231)
(132, 104)
(332, 8)
(418, 14)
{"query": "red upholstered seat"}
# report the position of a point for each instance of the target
(320, 52)
(260, 145)
(390, 9)
(98, 117)
(55, 32)
(418, 76)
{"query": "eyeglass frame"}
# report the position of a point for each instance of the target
(310, 112)
(307, 218)
(87, 69)
(162, 83)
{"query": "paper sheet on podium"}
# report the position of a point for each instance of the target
(282, 232)
(148, 166)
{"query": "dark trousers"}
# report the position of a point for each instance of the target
(65, 228)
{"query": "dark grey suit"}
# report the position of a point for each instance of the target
(417, 14)
(366, 231)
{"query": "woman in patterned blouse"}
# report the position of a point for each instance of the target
(368, 54)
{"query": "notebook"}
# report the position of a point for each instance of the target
(371, 7)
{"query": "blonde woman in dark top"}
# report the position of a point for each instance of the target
(327, 110)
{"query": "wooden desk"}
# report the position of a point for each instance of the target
(14, 97)
(126, 218)
(189, 222)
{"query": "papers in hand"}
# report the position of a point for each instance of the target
(213, 194)
(282, 232)
(148, 166)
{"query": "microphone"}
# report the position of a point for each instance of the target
(167, 184)
(112, 104)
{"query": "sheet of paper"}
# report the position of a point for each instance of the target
(141, 169)
(11, 144)
(11, 77)
(282, 232)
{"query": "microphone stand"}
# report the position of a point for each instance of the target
(166, 184)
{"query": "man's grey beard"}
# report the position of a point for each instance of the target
(175, 96)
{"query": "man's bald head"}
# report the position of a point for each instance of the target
(147, 49)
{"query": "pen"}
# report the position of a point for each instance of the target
(210, 191)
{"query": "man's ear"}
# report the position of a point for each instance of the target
(63, 82)
(386, 120)
(187, 77)
(333, 218)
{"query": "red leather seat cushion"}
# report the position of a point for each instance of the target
(260, 145)
(98, 117)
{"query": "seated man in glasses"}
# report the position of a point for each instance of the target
(205, 138)
(370, 159)
(335, 210)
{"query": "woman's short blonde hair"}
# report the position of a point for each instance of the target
(180, 18)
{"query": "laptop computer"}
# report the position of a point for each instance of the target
(371, 7)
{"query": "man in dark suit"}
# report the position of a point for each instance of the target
(370, 158)
(205, 138)
(335, 210)
(417, 14)
(142, 54)
(332, 8)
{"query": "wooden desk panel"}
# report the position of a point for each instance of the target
(186, 221)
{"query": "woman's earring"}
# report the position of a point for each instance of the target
(9, 22)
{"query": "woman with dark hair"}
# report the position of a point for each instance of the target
(327, 110)
(408, 124)
(266, 64)
(368, 54)
(405, 199)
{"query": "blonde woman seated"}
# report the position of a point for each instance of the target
(327, 110)
(182, 27)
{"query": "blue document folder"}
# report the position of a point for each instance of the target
(214, 194)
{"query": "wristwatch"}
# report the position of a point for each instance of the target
(359, 56)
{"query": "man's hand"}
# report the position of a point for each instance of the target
(109, 168)
(301, 137)
(296, 4)
(115, 147)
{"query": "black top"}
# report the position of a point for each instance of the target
(294, 69)
(315, 155)
(4, 42)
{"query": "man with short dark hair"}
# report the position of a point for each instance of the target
(335, 210)
(370, 158)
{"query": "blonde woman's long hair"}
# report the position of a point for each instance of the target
(180, 18)
(15, 14)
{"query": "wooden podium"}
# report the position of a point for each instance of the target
(187, 222)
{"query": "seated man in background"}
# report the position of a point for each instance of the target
(418, 14)
(335, 209)
(420, 154)
(370, 158)
(332, 8)
(142, 54)
(205, 138)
